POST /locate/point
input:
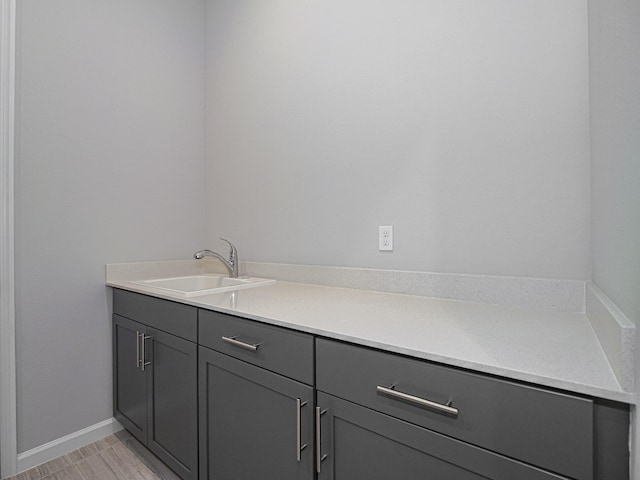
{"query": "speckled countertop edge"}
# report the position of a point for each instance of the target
(548, 348)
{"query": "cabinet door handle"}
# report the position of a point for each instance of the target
(299, 446)
(319, 456)
(137, 349)
(143, 341)
(421, 402)
(247, 346)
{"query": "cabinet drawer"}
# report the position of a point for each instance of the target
(280, 350)
(171, 317)
(548, 429)
(359, 443)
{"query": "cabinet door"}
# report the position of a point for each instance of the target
(359, 443)
(172, 376)
(129, 381)
(253, 423)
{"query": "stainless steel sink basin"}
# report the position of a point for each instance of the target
(197, 285)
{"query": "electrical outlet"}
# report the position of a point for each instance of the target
(385, 238)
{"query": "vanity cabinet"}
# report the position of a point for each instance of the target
(219, 397)
(256, 400)
(381, 415)
(155, 377)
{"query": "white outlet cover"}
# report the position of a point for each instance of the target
(385, 238)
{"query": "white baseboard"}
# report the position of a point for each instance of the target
(68, 443)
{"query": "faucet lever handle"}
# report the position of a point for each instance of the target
(233, 251)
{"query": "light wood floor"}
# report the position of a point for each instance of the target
(116, 457)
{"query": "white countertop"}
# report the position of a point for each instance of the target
(549, 348)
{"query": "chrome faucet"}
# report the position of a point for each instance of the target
(231, 264)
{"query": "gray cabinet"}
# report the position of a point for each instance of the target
(358, 442)
(129, 380)
(254, 422)
(382, 414)
(172, 402)
(155, 382)
(225, 398)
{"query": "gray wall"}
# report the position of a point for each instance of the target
(109, 168)
(463, 124)
(614, 73)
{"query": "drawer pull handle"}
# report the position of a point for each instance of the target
(247, 346)
(299, 446)
(319, 456)
(137, 349)
(143, 356)
(418, 401)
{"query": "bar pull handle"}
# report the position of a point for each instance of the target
(247, 346)
(137, 349)
(421, 402)
(319, 456)
(143, 341)
(299, 446)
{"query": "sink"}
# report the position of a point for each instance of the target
(197, 285)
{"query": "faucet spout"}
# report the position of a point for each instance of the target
(231, 263)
